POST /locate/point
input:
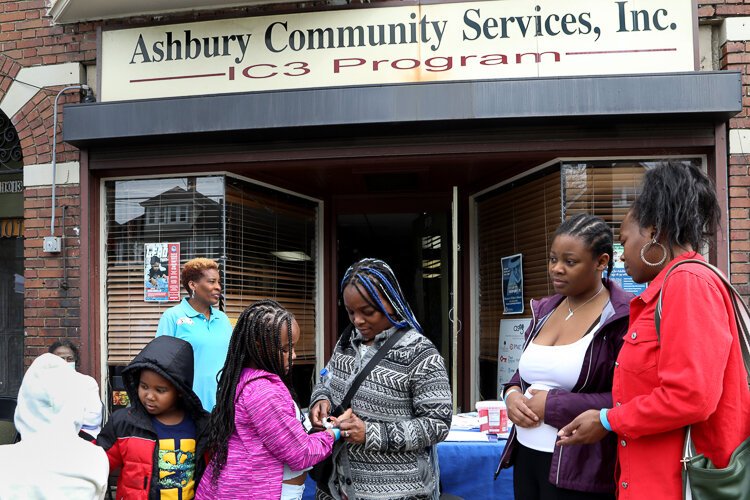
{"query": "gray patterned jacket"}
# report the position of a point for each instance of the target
(405, 403)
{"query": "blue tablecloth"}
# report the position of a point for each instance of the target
(466, 470)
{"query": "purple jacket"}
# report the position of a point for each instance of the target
(589, 468)
(267, 435)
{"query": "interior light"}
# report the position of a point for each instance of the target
(292, 256)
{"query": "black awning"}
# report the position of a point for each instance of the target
(714, 94)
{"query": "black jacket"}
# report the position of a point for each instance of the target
(129, 437)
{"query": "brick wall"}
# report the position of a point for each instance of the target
(735, 55)
(52, 298)
(27, 39)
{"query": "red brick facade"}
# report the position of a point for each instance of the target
(28, 38)
(52, 298)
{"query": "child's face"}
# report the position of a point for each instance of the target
(157, 394)
(285, 344)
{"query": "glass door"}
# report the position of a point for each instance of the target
(417, 243)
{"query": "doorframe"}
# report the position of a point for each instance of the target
(350, 204)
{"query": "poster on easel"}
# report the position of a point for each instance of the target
(161, 272)
(512, 273)
(510, 347)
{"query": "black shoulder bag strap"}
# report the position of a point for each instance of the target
(362, 375)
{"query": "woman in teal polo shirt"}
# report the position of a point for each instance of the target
(197, 320)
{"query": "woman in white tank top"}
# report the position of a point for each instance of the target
(567, 363)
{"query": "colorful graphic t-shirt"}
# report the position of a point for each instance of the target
(176, 459)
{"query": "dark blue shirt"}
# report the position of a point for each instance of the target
(176, 459)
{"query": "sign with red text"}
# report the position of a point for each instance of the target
(510, 348)
(390, 45)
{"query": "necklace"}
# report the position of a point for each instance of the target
(571, 311)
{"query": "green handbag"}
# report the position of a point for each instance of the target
(701, 480)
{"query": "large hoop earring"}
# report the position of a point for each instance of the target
(647, 246)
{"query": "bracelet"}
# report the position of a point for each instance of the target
(509, 392)
(603, 419)
(336, 433)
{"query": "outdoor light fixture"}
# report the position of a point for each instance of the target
(52, 243)
(292, 256)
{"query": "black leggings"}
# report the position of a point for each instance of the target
(531, 479)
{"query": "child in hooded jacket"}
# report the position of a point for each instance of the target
(258, 444)
(51, 461)
(158, 441)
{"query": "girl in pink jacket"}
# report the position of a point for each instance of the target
(254, 431)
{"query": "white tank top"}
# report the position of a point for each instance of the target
(553, 367)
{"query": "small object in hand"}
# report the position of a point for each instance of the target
(328, 423)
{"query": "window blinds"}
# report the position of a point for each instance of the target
(237, 223)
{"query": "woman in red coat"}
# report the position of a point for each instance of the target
(693, 374)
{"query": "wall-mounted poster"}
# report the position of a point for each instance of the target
(161, 272)
(509, 348)
(621, 277)
(512, 270)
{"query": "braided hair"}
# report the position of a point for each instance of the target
(595, 233)
(256, 342)
(680, 202)
(377, 279)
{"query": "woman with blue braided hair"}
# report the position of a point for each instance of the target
(400, 411)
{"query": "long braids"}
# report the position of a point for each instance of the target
(256, 341)
(595, 233)
(379, 281)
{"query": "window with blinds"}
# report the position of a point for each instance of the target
(605, 188)
(271, 253)
(517, 218)
(263, 240)
(522, 217)
(187, 210)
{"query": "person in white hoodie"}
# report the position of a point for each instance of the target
(51, 461)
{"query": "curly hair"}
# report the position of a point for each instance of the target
(65, 343)
(595, 233)
(193, 270)
(680, 202)
(256, 341)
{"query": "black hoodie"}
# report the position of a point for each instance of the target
(129, 437)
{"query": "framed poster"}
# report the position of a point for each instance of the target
(161, 272)
(512, 271)
(510, 347)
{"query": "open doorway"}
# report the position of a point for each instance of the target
(417, 246)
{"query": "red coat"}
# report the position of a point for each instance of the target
(693, 375)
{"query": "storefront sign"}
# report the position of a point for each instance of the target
(510, 347)
(11, 228)
(161, 272)
(382, 45)
(512, 269)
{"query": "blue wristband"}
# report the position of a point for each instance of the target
(603, 419)
(336, 433)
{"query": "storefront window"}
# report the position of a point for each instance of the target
(264, 241)
(521, 218)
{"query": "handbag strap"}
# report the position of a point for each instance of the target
(742, 319)
(362, 375)
(741, 313)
